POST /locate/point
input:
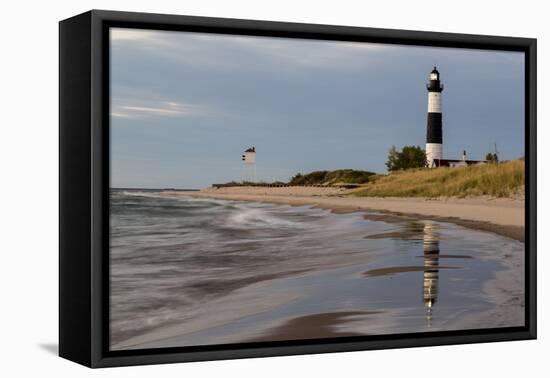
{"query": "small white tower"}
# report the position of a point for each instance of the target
(434, 135)
(249, 169)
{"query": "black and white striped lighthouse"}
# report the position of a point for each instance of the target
(434, 135)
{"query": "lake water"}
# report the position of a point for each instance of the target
(188, 271)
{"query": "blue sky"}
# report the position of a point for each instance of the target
(185, 105)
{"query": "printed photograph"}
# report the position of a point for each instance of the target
(268, 189)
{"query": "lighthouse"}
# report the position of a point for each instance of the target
(249, 168)
(434, 135)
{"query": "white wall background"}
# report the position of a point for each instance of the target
(29, 188)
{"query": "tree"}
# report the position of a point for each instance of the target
(408, 157)
(491, 157)
(393, 158)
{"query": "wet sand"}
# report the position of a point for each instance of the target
(317, 326)
(384, 296)
(384, 272)
(503, 216)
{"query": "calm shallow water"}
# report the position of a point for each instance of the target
(190, 271)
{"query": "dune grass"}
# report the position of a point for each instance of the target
(328, 178)
(496, 180)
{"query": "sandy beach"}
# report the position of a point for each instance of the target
(504, 216)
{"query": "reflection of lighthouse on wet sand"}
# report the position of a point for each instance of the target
(431, 267)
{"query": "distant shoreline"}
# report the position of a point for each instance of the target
(156, 189)
(502, 216)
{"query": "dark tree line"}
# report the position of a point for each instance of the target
(491, 157)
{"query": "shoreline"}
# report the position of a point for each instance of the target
(501, 216)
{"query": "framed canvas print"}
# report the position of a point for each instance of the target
(234, 188)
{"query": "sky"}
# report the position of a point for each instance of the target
(184, 106)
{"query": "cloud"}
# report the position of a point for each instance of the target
(119, 34)
(228, 52)
(138, 108)
(232, 51)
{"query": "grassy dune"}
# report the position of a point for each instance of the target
(497, 180)
(328, 178)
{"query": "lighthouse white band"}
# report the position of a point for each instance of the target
(434, 102)
(249, 157)
(434, 151)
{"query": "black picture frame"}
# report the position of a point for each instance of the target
(84, 178)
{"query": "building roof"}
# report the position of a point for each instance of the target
(251, 149)
(447, 162)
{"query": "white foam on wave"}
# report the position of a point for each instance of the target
(178, 197)
(257, 217)
(207, 200)
(143, 194)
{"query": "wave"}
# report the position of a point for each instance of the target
(142, 194)
(178, 197)
(258, 218)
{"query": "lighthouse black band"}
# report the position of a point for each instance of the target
(434, 86)
(435, 129)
